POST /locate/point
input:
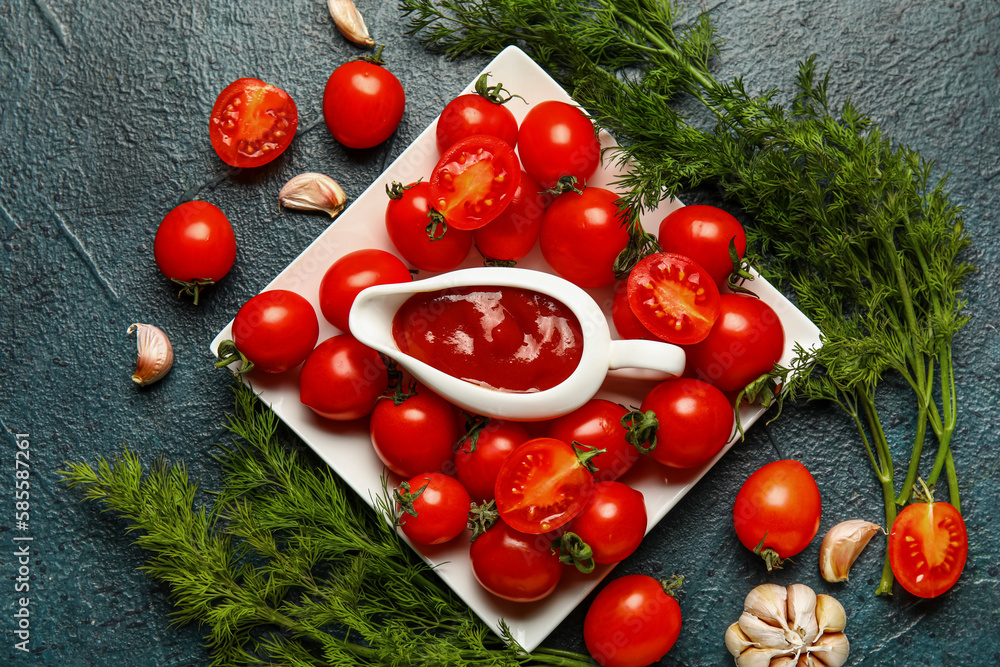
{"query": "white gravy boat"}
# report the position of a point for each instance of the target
(371, 323)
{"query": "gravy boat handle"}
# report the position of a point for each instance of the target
(649, 355)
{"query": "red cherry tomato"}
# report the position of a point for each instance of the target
(439, 506)
(408, 220)
(363, 103)
(515, 566)
(673, 297)
(582, 235)
(928, 547)
(542, 485)
(513, 233)
(631, 623)
(478, 465)
(626, 323)
(252, 123)
(598, 424)
(558, 140)
(416, 436)
(694, 421)
(352, 273)
(745, 342)
(474, 181)
(704, 233)
(276, 330)
(195, 246)
(612, 523)
(778, 508)
(342, 378)
(481, 112)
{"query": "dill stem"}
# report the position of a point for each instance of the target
(551, 656)
(884, 472)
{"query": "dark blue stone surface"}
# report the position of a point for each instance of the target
(103, 119)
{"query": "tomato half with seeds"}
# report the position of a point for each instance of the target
(474, 181)
(673, 297)
(928, 547)
(477, 465)
(252, 123)
(626, 323)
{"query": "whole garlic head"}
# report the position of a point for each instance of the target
(789, 626)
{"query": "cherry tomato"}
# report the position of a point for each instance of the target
(478, 465)
(694, 421)
(342, 378)
(582, 234)
(542, 485)
(745, 342)
(363, 103)
(408, 218)
(704, 233)
(673, 297)
(514, 565)
(252, 123)
(612, 523)
(276, 330)
(352, 273)
(632, 622)
(195, 246)
(481, 112)
(513, 233)
(598, 424)
(438, 508)
(474, 181)
(626, 323)
(928, 546)
(557, 140)
(778, 509)
(416, 436)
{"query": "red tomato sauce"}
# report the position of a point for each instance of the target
(504, 338)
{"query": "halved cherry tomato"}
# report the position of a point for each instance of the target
(479, 464)
(363, 103)
(582, 234)
(435, 508)
(633, 622)
(673, 297)
(704, 233)
(481, 112)
(195, 246)
(276, 330)
(598, 424)
(352, 273)
(252, 123)
(342, 378)
(513, 233)
(558, 140)
(417, 236)
(514, 565)
(928, 547)
(474, 181)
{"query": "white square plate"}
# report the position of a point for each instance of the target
(346, 447)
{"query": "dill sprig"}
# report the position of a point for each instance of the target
(856, 226)
(286, 566)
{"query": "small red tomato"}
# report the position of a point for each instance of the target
(704, 233)
(252, 123)
(598, 424)
(363, 103)
(673, 297)
(626, 323)
(632, 622)
(417, 435)
(513, 233)
(558, 140)
(342, 378)
(435, 508)
(474, 181)
(928, 547)
(276, 330)
(582, 235)
(478, 464)
(195, 246)
(514, 565)
(481, 112)
(419, 234)
(612, 523)
(352, 273)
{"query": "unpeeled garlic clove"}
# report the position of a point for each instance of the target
(762, 633)
(830, 614)
(349, 21)
(758, 657)
(769, 602)
(737, 641)
(842, 545)
(155, 354)
(802, 612)
(313, 192)
(830, 650)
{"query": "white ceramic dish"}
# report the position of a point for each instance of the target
(346, 447)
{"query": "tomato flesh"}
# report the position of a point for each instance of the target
(474, 181)
(252, 123)
(673, 297)
(928, 547)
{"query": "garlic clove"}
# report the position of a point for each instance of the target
(830, 650)
(155, 354)
(763, 634)
(313, 192)
(768, 602)
(830, 614)
(349, 22)
(802, 613)
(758, 657)
(784, 661)
(842, 545)
(737, 641)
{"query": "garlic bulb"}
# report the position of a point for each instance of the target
(842, 545)
(313, 192)
(349, 22)
(789, 627)
(156, 354)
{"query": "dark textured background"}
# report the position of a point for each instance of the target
(103, 118)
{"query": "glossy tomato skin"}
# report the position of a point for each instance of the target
(515, 566)
(195, 242)
(471, 114)
(276, 330)
(342, 378)
(631, 623)
(442, 509)
(416, 436)
(612, 523)
(745, 342)
(363, 103)
(704, 233)
(779, 504)
(582, 234)
(351, 274)
(695, 418)
(474, 181)
(928, 547)
(542, 485)
(674, 298)
(557, 139)
(626, 323)
(598, 424)
(406, 220)
(252, 123)
(477, 467)
(513, 233)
